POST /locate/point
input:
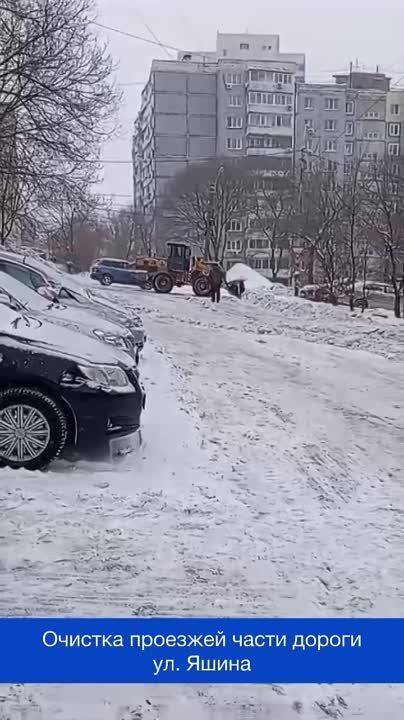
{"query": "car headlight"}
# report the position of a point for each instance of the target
(109, 338)
(108, 377)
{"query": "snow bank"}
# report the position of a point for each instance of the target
(253, 280)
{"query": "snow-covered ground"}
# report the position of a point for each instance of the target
(270, 483)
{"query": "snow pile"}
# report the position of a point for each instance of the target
(254, 282)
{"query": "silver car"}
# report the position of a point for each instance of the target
(43, 277)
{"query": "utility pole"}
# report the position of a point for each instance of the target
(211, 220)
(213, 188)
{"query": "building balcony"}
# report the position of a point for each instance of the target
(269, 85)
(269, 130)
(275, 109)
(254, 151)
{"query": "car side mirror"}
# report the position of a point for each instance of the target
(48, 293)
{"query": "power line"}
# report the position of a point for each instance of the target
(135, 37)
(154, 36)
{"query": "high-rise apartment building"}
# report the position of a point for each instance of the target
(357, 117)
(234, 102)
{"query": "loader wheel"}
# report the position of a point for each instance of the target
(163, 283)
(201, 286)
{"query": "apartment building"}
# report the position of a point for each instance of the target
(395, 123)
(236, 101)
(338, 123)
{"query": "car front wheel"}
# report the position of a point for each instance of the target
(33, 428)
(106, 279)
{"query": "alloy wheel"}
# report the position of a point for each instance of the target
(24, 433)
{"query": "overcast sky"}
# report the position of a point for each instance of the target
(330, 33)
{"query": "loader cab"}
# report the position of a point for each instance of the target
(179, 257)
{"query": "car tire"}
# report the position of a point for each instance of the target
(361, 303)
(48, 436)
(106, 279)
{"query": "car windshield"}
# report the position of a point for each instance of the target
(24, 295)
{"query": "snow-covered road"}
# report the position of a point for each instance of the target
(270, 483)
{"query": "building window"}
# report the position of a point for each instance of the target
(235, 100)
(268, 120)
(372, 115)
(283, 99)
(234, 245)
(331, 103)
(308, 123)
(261, 263)
(267, 47)
(269, 76)
(394, 149)
(258, 75)
(253, 223)
(234, 121)
(371, 135)
(394, 129)
(308, 103)
(395, 169)
(235, 226)
(348, 148)
(244, 46)
(331, 146)
(282, 78)
(260, 141)
(349, 107)
(349, 128)
(330, 125)
(395, 109)
(372, 157)
(283, 121)
(234, 143)
(309, 144)
(233, 78)
(224, 53)
(262, 98)
(332, 166)
(348, 167)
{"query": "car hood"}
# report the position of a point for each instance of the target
(46, 337)
(82, 319)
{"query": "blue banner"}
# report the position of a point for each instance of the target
(191, 650)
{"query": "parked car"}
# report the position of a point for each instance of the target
(113, 270)
(57, 313)
(318, 293)
(43, 277)
(60, 393)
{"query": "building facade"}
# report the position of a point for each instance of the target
(237, 101)
(341, 123)
(248, 99)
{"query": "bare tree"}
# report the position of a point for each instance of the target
(272, 207)
(386, 220)
(56, 96)
(354, 201)
(68, 217)
(316, 224)
(201, 202)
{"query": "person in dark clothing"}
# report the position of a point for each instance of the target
(216, 276)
